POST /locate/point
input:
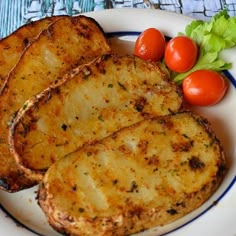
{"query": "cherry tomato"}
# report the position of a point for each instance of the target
(150, 45)
(181, 54)
(204, 87)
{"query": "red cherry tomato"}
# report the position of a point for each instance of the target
(181, 54)
(150, 45)
(204, 88)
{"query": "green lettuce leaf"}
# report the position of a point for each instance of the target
(212, 37)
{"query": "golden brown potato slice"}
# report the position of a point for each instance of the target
(13, 45)
(142, 176)
(95, 100)
(68, 42)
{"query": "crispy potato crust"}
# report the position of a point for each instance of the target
(12, 47)
(142, 176)
(95, 100)
(68, 42)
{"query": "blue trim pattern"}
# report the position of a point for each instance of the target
(230, 77)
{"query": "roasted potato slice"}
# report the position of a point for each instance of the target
(13, 45)
(142, 176)
(94, 101)
(67, 42)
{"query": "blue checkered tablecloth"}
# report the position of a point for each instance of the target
(14, 13)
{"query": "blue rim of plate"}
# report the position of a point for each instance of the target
(214, 202)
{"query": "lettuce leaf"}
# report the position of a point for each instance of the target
(212, 37)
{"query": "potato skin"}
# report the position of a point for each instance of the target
(67, 43)
(94, 101)
(142, 176)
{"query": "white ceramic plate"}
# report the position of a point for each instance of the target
(22, 216)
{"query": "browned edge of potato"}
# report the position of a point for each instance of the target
(145, 175)
(12, 46)
(94, 101)
(66, 43)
